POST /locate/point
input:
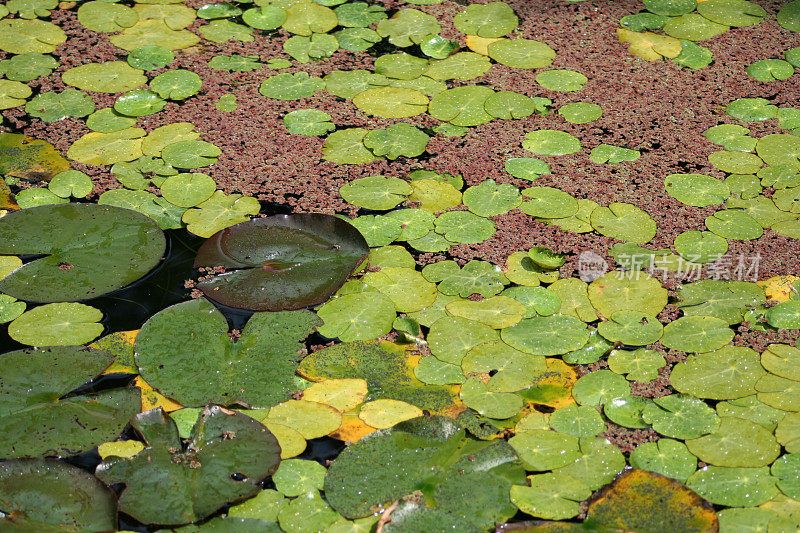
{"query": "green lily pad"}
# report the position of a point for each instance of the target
(752, 109)
(359, 14)
(154, 31)
(376, 192)
(510, 369)
(680, 416)
(176, 84)
(612, 155)
(405, 287)
(347, 147)
(736, 443)
(415, 223)
(494, 19)
(770, 70)
(578, 421)
(357, 317)
(308, 122)
(281, 262)
(108, 77)
(317, 46)
(401, 66)
(108, 121)
(52, 106)
(384, 366)
(349, 83)
(218, 11)
(750, 408)
(100, 264)
(464, 227)
(698, 190)
(35, 416)
(10, 308)
(437, 47)
(295, 477)
(432, 452)
(599, 463)
(408, 27)
(785, 315)
(572, 293)
(697, 334)
(288, 86)
(71, 183)
(226, 103)
(693, 27)
(305, 18)
(549, 335)
(356, 39)
(700, 246)
(490, 199)
(397, 140)
(139, 103)
(235, 63)
(624, 222)
(190, 154)
(541, 450)
(27, 67)
(789, 16)
(670, 8)
(220, 31)
(106, 17)
(580, 112)
(76, 499)
(561, 80)
(268, 342)
(550, 496)
(779, 149)
(736, 162)
(667, 457)
(632, 328)
(618, 291)
(728, 300)
(509, 105)
(521, 53)
(551, 142)
(149, 56)
(548, 202)
(37, 197)
(734, 13)
(188, 190)
(167, 215)
(391, 102)
(19, 36)
(600, 387)
(450, 338)
(643, 21)
(781, 359)
(459, 66)
(496, 312)
(97, 148)
(475, 395)
(169, 484)
(591, 352)
(13, 93)
(476, 276)
(736, 487)
(734, 224)
(786, 469)
(462, 106)
(731, 137)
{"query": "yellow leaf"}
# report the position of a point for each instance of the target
(152, 399)
(384, 414)
(480, 45)
(649, 45)
(352, 429)
(341, 394)
(120, 448)
(778, 288)
(291, 441)
(120, 345)
(554, 387)
(311, 419)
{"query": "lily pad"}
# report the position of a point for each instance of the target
(510, 370)
(680, 416)
(770, 70)
(521, 53)
(736, 487)
(99, 264)
(227, 456)
(736, 443)
(728, 300)
(650, 46)
(789, 16)
(37, 418)
(700, 246)
(108, 77)
(397, 140)
(752, 109)
(697, 190)
(632, 328)
(496, 312)
(462, 106)
(548, 202)
(670, 8)
(693, 27)
(288, 86)
(23, 157)
(620, 291)
(408, 27)
(734, 13)
(450, 338)
(409, 452)
(561, 80)
(667, 457)
(624, 222)
(149, 56)
(176, 84)
(270, 342)
(376, 192)
(549, 335)
(312, 253)
(551, 142)
(347, 147)
(476, 276)
(97, 148)
(77, 500)
(19, 36)
(541, 450)
(308, 122)
(391, 102)
(494, 19)
(599, 462)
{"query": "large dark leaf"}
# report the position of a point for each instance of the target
(40, 495)
(92, 250)
(225, 460)
(185, 352)
(464, 477)
(35, 418)
(281, 262)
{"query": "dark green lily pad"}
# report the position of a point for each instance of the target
(46, 495)
(225, 460)
(281, 262)
(459, 475)
(36, 416)
(170, 343)
(94, 241)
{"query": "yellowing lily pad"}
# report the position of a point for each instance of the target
(382, 414)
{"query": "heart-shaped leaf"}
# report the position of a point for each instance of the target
(92, 249)
(267, 352)
(281, 262)
(227, 456)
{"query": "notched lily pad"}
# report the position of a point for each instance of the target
(89, 250)
(225, 460)
(281, 262)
